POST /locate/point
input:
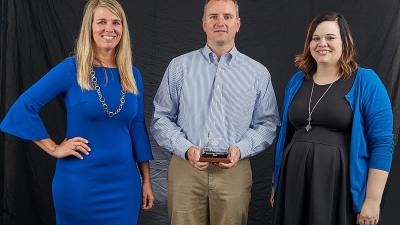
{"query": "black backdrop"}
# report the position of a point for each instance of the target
(38, 34)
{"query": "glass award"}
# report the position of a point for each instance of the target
(215, 151)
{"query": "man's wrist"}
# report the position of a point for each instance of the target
(244, 147)
(240, 153)
(187, 152)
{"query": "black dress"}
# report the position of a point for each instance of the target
(314, 185)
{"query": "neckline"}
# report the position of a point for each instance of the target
(103, 67)
(324, 85)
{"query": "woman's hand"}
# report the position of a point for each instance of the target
(147, 196)
(147, 190)
(369, 214)
(271, 198)
(71, 147)
(376, 182)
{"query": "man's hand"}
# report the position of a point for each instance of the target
(193, 154)
(233, 156)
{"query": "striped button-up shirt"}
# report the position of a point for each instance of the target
(201, 97)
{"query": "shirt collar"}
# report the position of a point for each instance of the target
(212, 58)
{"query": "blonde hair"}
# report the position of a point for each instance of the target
(84, 47)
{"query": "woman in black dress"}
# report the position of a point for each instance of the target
(335, 145)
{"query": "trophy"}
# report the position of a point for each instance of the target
(215, 151)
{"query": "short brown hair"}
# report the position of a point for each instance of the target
(347, 61)
(234, 1)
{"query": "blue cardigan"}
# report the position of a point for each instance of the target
(372, 130)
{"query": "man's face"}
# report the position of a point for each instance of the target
(220, 23)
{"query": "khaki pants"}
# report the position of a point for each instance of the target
(213, 196)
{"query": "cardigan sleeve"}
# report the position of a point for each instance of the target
(378, 118)
(22, 119)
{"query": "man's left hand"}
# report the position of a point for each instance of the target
(233, 156)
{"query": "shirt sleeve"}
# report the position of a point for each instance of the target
(378, 117)
(137, 129)
(265, 120)
(166, 102)
(22, 119)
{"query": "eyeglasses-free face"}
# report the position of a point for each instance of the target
(106, 29)
(326, 45)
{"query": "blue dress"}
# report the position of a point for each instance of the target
(104, 187)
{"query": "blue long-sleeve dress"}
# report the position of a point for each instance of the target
(104, 187)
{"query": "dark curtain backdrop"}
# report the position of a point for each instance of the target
(38, 34)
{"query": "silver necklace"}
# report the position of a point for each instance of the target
(310, 111)
(103, 100)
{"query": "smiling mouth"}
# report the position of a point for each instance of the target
(220, 31)
(108, 37)
(323, 51)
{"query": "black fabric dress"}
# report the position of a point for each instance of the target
(314, 184)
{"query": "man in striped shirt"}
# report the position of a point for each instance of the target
(214, 92)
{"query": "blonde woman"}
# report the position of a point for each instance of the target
(97, 180)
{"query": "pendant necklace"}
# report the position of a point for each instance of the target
(310, 111)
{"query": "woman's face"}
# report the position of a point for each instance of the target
(326, 43)
(106, 29)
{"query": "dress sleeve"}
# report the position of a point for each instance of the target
(138, 132)
(22, 119)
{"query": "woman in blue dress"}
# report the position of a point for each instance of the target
(102, 172)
